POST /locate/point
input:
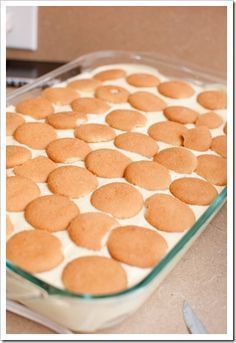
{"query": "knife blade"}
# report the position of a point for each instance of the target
(192, 322)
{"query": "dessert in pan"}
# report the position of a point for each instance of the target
(107, 171)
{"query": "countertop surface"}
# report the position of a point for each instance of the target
(199, 278)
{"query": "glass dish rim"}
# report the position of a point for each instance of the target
(215, 205)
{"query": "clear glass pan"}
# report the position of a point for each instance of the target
(91, 61)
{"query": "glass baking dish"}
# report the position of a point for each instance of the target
(87, 313)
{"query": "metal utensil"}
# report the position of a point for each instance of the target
(192, 322)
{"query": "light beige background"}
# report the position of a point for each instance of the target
(194, 34)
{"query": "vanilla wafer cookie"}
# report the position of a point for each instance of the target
(166, 213)
(88, 229)
(136, 246)
(51, 213)
(94, 275)
(119, 199)
(71, 181)
(38, 107)
(34, 251)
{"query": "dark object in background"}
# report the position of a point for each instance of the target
(19, 73)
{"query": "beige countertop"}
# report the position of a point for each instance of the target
(199, 278)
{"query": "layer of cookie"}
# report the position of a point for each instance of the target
(71, 251)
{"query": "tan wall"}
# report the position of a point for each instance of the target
(194, 34)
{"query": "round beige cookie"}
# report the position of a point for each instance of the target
(16, 155)
(9, 226)
(198, 138)
(169, 214)
(168, 132)
(180, 114)
(119, 199)
(94, 275)
(213, 169)
(84, 85)
(125, 120)
(72, 181)
(111, 74)
(60, 95)
(87, 230)
(136, 246)
(211, 120)
(193, 191)
(107, 163)
(66, 120)
(13, 120)
(36, 169)
(38, 108)
(90, 106)
(35, 135)
(137, 142)
(51, 213)
(146, 102)
(142, 80)
(175, 89)
(180, 160)
(94, 133)
(34, 251)
(219, 145)
(67, 150)
(19, 192)
(213, 100)
(113, 94)
(148, 175)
